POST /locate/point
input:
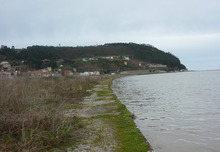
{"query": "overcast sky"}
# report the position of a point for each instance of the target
(189, 29)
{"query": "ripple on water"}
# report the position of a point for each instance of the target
(175, 112)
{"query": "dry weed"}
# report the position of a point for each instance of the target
(32, 111)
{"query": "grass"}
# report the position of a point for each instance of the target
(103, 93)
(32, 112)
(128, 135)
(127, 132)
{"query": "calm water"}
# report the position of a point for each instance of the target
(176, 112)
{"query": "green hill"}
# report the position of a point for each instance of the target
(71, 57)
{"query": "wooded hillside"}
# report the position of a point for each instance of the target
(33, 56)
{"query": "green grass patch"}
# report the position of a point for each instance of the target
(100, 99)
(128, 135)
(109, 104)
(103, 93)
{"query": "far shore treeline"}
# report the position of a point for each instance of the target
(35, 56)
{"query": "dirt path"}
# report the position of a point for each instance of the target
(99, 134)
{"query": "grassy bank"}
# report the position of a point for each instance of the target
(129, 136)
(118, 121)
(33, 115)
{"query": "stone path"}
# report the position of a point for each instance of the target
(98, 134)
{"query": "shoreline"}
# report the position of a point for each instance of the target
(133, 116)
(107, 123)
(88, 116)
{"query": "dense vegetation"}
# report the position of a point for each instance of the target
(33, 56)
(33, 112)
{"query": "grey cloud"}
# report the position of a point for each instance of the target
(87, 22)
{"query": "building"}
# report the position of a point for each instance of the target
(68, 73)
(84, 60)
(4, 75)
(156, 67)
(8, 74)
(140, 64)
(126, 58)
(35, 74)
(5, 65)
(90, 73)
(47, 72)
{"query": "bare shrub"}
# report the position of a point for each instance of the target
(32, 111)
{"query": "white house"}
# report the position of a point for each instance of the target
(5, 65)
(84, 60)
(126, 58)
(90, 73)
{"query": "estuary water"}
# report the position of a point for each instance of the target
(176, 112)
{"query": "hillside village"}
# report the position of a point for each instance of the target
(8, 71)
(114, 58)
